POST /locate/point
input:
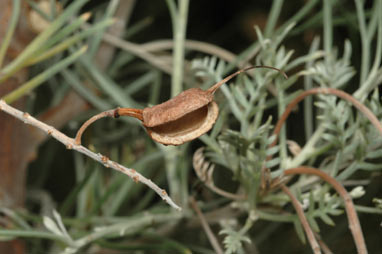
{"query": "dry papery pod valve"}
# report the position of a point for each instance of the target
(183, 118)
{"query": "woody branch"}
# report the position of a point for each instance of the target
(71, 144)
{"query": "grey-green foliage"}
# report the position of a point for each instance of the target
(350, 135)
(233, 241)
(333, 72)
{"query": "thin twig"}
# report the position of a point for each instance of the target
(213, 88)
(207, 48)
(109, 113)
(323, 245)
(211, 237)
(354, 224)
(304, 222)
(70, 144)
(115, 113)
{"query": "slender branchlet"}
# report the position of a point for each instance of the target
(115, 113)
(215, 87)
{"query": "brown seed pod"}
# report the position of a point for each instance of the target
(183, 118)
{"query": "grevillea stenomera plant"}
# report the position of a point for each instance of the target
(261, 157)
(250, 158)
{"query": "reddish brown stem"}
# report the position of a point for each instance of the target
(288, 110)
(354, 224)
(137, 113)
(304, 222)
(332, 91)
(215, 87)
(133, 112)
(325, 249)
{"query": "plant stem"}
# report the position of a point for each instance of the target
(304, 222)
(179, 24)
(308, 149)
(282, 132)
(308, 84)
(332, 91)
(32, 234)
(354, 224)
(372, 79)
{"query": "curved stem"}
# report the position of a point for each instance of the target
(354, 224)
(226, 194)
(115, 113)
(215, 87)
(304, 222)
(332, 91)
(161, 45)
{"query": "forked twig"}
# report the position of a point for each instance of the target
(211, 237)
(304, 222)
(70, 144)
(354, 224)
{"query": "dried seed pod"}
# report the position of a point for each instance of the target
(183, 118)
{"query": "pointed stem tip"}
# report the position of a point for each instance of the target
(215, 87)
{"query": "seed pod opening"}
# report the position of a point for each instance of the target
(186, 128)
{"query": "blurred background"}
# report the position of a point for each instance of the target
(38, 174)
